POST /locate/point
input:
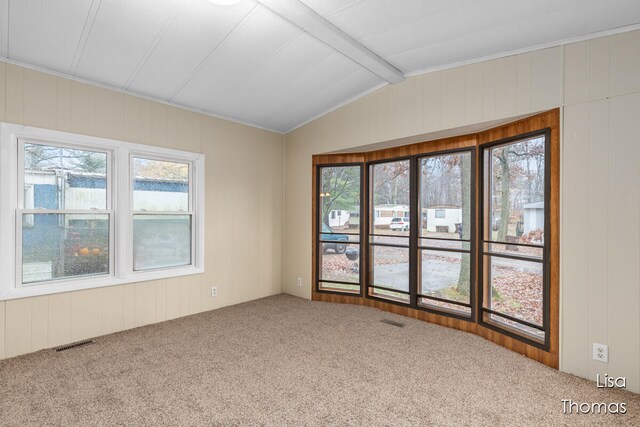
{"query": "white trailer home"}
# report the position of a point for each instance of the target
(443, 219)
(384, 213)
(533, 216)
(338, 218)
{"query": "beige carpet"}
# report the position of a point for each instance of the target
(287, 361)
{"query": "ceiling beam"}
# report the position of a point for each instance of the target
(310, 21)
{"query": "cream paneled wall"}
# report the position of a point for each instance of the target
(597, 84)
(244, 211)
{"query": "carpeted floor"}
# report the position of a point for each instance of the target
(287, 361)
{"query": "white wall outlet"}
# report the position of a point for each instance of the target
(214, 291)
(601, 352)
(299, 282)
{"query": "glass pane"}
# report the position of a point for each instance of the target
(537, 333)
(339, 262)
(445, 196)
(516, 250)
(446, 275)
(517, 192)
(445, 244)
(56, 246)
(390, 213)
(160, 186)
(390, 240)
(340, 238)
(161, 241)
(339, 287)
(390, 267)
(384, 293)
(64, 178)
(340, 199)
(516, 288)
(459, 309)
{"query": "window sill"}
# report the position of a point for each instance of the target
(60, 286)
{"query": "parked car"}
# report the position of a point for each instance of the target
(398, 223)
(340, 245)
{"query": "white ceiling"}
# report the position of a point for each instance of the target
(278, 70)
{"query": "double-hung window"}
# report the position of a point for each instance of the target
(162, 213)
(79, 212)
(64, 219)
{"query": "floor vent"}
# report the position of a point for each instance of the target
(393, 323)
(74, 345)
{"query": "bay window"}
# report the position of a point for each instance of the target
(460, 231)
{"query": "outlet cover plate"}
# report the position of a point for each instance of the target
(601, 352)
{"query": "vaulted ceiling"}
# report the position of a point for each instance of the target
(280, 63)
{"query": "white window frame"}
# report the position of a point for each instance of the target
(119, 179)
(190, 204)
(21, 210)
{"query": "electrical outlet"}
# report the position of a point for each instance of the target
(601, 352)
(299, 282)
(214, 292)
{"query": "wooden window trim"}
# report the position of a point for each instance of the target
(549, 355)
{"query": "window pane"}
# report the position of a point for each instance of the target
(517, 192)
(536, 333)
(459, 309)
(160, 186)
(445, 196)
(339, 238)
(161, 241)
(446, 275)
(390, 213)
(384, 293)
(391, 267)
(340, 199)
(515, 250)
(339, 262)
(390, 240)
(445, 244)
(56, 246)
(516, 288)
(339, 287)
(64, 178)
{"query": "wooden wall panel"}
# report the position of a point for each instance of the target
(40, 323)
(623, 297)
(474, 101)
(577, 82)
(576, 251)
(112, 309)
(547, 78)
(625, 63)
(598, 226)
(2, 329)
(59, 319)
(506, 86)
(599, 68)
(145, 303)
(18, 327)
(86, 314)
(524, 83)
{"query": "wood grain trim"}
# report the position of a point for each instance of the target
(548, 120)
